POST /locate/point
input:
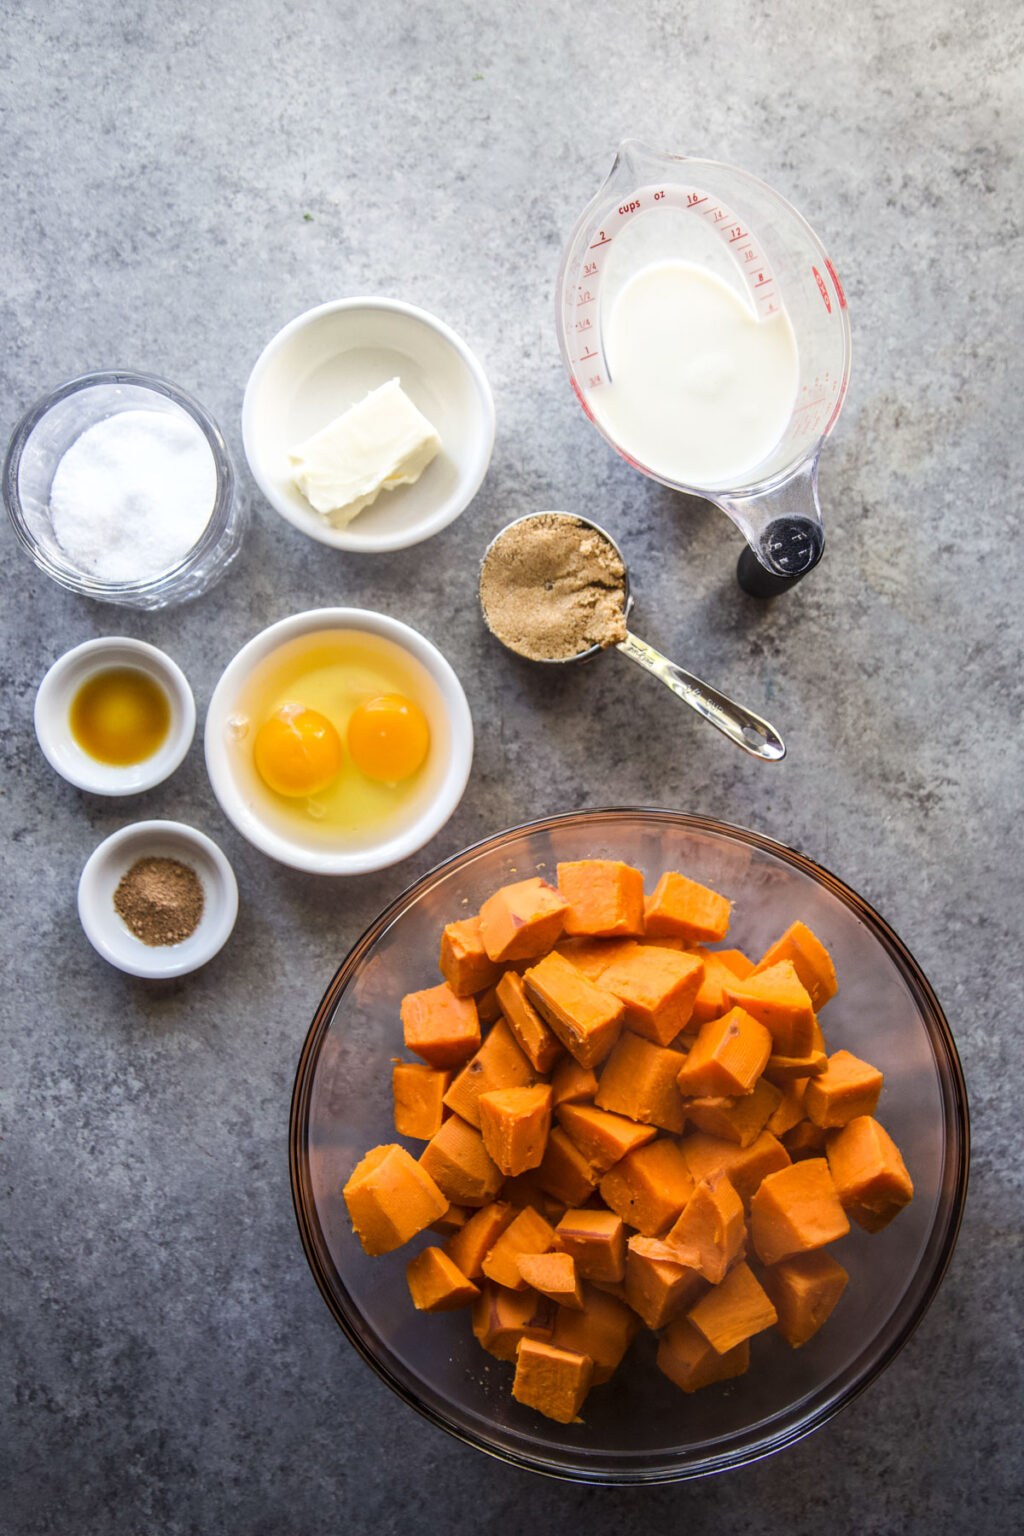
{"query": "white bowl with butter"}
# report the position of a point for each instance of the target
(328, 360)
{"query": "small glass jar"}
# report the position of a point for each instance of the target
(45, 434)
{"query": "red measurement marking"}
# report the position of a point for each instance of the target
(822, 289)
(738, 234)
(582, 302)
(810, 405)
(579, 396)
(589, 268)
(763, 279)
(586, 356)
(583, 325)
(604, 240)
(694, 202)
(839, 286)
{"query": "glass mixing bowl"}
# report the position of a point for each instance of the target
(639, 1427)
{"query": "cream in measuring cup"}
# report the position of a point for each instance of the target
(700, 388)
(706, 336)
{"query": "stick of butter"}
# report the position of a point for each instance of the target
(381, 442)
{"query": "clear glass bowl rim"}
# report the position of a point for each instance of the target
(88, 586)
(942, 1239)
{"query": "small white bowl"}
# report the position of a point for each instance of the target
(112, 939)
(53, 717)
(331, 357)
(438, 693)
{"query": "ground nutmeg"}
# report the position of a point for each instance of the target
(160, 900)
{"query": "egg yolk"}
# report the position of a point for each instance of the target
(388, 738)
(297, 751)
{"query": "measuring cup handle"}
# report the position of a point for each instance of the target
(783, 531)
(741, 725)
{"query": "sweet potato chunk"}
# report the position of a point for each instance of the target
(535, 1039)
(680, 908)
(436, 1284)
(514, 1123)
(501, 1319)
(649, 1187)
(639, 1080)
(528, 1232)
(740, 1119)
(848, 1087)
(778, 999)
(460, 1165)
(710, 1230)
(657, 988)
(565, 1171)
(604, 1330)
(522, 921)
(795, 1210)
(790, 1109)
(554, 1275)
(803, 1291)
(499, 1063)
(658, 1286)
(744, 1166)
(465, 963)
(418, 1093)
(441, 1028)
(597, 1242)
(585, 1019)
(571, 1083)
(810, 958)
(554, 1381)
(390, 1198)
(606, 898)
(594, 956)
(728, 1056)
(721, 966)
(470, 1245)
(870, 1176)
(686, 1357)
(805, 1139)
(734, 1311)
(601, 1137)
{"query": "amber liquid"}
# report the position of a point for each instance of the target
(120, 716)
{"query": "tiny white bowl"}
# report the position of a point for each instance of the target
(328, 359)
(53, 716)
(109, 935)
(438, 693)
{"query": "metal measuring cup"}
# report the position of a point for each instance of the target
(740, 724)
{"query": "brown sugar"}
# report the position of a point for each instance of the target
(551, 586)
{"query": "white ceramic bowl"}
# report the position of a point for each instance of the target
(112, 939)
(439, 694)
(331, 357)
(53, 705)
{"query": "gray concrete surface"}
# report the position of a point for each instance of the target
(168, 1365)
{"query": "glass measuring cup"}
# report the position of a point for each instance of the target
(741, 725)
(656, 207)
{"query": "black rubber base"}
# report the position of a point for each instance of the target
(792, 546)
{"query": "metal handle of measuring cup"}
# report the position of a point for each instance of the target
(782, 527)
(741, 725)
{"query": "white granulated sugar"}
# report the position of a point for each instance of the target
(133, 494)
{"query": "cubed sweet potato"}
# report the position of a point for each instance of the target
(680, 908)
(439, 1027)
(796, 1210)
(606, 898)
(870, 1176)
(391, 1197)
(554, 1381)
(586, 1020)
(436, 1284)
(522, 921)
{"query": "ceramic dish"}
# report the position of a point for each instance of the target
(433, 795)
(43, 436)
(108, 934)
(331, 357)
(53, 705)
(639, 1427)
